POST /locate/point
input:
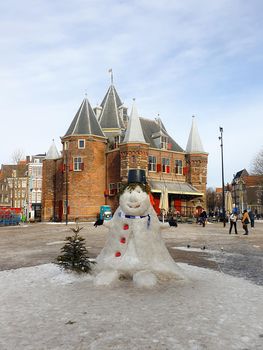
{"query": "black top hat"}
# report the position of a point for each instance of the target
(137, 175)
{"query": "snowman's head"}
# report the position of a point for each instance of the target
(134, 200)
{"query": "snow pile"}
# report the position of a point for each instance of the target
(144, 279)
(43, 307)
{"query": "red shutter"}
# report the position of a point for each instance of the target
(68, 209)
(71, 167)
(185, 170)
(169, 146)
(168, 169)
(82, 166)
(159, 168)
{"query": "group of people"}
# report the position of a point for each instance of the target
(246, 219)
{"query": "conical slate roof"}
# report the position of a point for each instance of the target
(134, 131)
(85, 122)
(53, 152)
(194, 143)
(109, 118)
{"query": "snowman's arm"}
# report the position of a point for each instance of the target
(105, 223)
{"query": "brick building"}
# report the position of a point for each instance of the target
(13, 185)
(99, 148)
(21, 186)
(247, 192)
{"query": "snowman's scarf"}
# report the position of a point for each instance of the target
(123, 215)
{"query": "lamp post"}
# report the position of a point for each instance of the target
(234, 183)
(66, 166)
(223, 184)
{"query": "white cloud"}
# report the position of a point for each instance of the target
(177, 58)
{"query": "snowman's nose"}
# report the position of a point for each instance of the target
(133, 197)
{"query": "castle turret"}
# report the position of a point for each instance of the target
(84, 171)
(134, 149)
(196, 159)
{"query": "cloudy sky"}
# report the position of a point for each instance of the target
(177, 58)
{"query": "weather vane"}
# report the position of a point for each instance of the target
(111, 75)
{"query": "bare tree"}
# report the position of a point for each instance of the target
(17, 156)
(210, 199)
(257, 164)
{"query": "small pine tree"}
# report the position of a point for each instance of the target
(75, 255)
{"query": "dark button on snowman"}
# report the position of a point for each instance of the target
(134, 247)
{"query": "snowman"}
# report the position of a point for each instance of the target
(134, 248)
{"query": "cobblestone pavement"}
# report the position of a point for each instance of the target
(211, 246)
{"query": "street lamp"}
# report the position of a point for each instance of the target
(223, 184)
(234, 183)
(66, 187)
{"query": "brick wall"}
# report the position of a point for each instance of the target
(197, 175)
(85, 187)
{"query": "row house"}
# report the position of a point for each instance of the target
(21, 186)
(247, 192)
(13, 185)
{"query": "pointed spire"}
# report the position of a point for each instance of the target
(53, 152)
(134, 131)
(194, 143)
(85, 122)
(110, 118)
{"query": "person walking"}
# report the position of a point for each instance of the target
(233, 222)
(245, 221)
(203, 217)
(252, 218)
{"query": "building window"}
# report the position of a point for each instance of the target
(119, 186)
(133, 159)
(38, 196)
(81, 144)
(165, 165)
(65, 207)
(117, 141)
(34, 196)
(112, 189)
(152, 163)
(78, 164)
(164, 142)
(178, 167)
(66, 144)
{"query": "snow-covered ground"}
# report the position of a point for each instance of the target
(43, 307)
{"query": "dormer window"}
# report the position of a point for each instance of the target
(81, 144)
(164, 142)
